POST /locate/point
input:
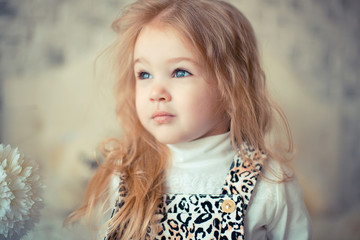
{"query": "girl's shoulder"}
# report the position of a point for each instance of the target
(276, 171)
(277, 183)
(277, 203)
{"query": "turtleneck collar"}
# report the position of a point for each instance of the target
(202, 152)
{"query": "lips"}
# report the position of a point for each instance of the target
(162, 117)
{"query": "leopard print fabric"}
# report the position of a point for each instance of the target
(200, 216)
(204, 216)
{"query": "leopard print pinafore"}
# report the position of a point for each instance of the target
(208, 216)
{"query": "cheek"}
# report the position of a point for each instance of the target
(202, 107)
(207, 101)
(139, 104)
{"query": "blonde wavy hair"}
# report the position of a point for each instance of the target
(227, 45)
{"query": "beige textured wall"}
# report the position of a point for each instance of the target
(55, 109)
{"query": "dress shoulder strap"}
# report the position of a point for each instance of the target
(244, 171)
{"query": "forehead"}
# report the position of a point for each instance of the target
(159, 36)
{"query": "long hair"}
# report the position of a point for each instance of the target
(226, 42)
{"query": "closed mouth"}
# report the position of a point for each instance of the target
(162, 117)
(162, 114)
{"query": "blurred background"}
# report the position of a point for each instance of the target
(56, 109)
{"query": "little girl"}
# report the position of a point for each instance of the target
(196, 160)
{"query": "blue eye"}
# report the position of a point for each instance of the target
(179, 73)
(144, 75)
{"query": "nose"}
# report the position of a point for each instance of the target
(159, 94)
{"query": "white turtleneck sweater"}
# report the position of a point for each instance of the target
(275, 211)
(200, 166)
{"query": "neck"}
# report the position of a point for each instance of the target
(206, 151)
(200, 166)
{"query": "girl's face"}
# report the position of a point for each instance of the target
(174, 100)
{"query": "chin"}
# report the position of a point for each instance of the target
(167, 141)
(170, 140)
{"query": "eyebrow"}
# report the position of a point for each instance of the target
(172, 60)
(180, 59)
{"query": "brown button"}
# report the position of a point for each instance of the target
(228, 206)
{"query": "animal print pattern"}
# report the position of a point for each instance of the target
(201, 216)
(243, 173)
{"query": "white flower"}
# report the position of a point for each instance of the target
(20, 193)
